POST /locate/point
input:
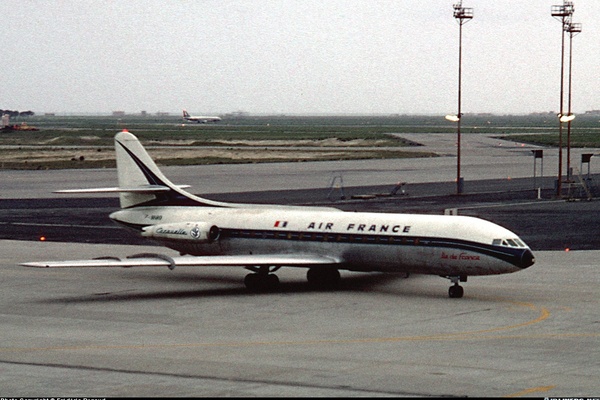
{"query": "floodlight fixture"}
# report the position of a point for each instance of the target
(462, 14)
(573, 28)
(566, 118)
(563, 10)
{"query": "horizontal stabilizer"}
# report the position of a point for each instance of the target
(160, 260)
(139, 189)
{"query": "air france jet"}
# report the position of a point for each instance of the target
(200, 119)
(264, 238)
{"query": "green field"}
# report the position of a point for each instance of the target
(277, 138)
(290, 127)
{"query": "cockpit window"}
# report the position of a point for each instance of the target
(508, 242)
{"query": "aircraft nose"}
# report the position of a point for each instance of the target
(527, 259)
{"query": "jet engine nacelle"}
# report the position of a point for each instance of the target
(201, 232)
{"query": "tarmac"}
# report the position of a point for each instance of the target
(196, 332)
(483, 157)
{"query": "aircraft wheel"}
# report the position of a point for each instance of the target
(323, 278)
(261, 282)
(456, 292)
(252, 281)
(272, 281)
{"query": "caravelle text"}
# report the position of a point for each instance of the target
(171, 231)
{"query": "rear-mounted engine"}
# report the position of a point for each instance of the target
(191, 231)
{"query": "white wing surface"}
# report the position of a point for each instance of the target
(139, 189)
(161, 260)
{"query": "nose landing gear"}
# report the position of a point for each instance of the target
(456, 291)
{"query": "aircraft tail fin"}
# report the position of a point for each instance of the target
(185, 114)
(142, 183)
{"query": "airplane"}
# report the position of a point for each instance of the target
(200, 119)
(323, 240)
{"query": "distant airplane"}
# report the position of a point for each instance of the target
(264, 238)
(200, 119)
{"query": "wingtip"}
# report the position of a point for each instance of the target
(34, 265)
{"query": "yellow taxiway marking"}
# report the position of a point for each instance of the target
(532, 390)
(483, 334)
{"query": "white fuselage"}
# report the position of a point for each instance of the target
(428, 244)
(203, 119)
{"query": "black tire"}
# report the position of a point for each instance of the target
(323, 278)
(456, 292)
(252, 282)
(261, 283)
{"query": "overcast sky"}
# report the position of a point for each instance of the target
(291, 56)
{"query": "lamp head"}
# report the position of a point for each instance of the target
(566, 118)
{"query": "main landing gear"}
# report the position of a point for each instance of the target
(456, 291)
(262, 279)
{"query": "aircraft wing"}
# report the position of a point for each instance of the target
(161, 260)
